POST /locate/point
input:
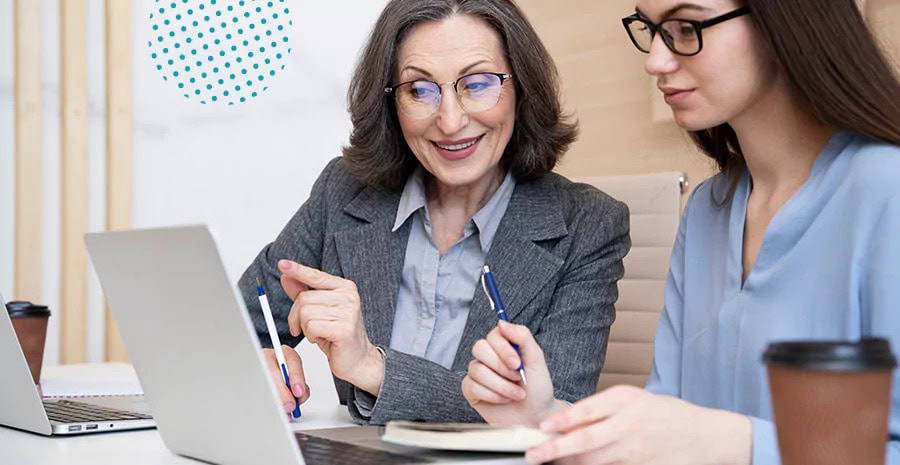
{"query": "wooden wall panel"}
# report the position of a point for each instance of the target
(27, 151)
(118, 140)
(623, 127)
(74, 145)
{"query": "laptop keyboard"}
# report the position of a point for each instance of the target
(70, 411)
(322, 451)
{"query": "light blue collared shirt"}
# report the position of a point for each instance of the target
(828, 268)
(436, 292)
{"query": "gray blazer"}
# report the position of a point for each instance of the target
(557, 252)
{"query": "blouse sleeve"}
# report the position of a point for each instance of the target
(880, 300)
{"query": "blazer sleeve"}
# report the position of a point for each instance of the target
(574, 332)
(581, 310)
(301, 240)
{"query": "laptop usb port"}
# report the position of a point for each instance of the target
(74, 428)
(90, 427)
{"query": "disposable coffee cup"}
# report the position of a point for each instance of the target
(831, 400)
(30, 323)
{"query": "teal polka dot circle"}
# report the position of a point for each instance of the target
(220, 51)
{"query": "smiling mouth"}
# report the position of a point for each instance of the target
(458, 147)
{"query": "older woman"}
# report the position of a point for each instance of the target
(456, 127)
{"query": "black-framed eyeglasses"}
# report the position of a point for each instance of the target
(681, 36)
(421, 98)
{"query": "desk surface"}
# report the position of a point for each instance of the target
(143, 447)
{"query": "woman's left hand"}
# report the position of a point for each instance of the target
(628, 425)
(327, 311)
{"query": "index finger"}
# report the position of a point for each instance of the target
(588, 410)
(307, 276)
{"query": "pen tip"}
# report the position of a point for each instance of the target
(522, 374)
(257, 282)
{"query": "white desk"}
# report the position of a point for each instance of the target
(143, 447)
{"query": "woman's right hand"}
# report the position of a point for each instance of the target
(299, 388)
(493, 385)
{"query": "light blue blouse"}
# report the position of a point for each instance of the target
(828, 268)
(436, 292)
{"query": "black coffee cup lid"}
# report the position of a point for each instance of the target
(863, 355)
(19, 308)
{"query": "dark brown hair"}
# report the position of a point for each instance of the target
(378, 154)
(833, 68)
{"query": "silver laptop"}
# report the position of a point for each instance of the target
(22, 407)
(198, 359)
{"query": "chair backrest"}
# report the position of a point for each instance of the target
(654, 201)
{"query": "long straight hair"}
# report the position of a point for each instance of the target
(833, 68)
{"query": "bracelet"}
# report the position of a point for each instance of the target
(382, 352)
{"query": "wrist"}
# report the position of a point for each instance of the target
(554, 406)
(370, 372)
(729, 437)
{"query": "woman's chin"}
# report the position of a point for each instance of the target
(692, 122)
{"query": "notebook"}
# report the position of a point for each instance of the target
(199, 360)
(22, 407)
(463, 436)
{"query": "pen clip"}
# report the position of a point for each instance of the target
(486, 292)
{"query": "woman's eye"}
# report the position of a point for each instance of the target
(420, 91)
(476, 86)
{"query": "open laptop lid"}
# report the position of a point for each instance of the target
(20, 403)
(192, 345)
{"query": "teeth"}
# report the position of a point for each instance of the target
(458, 146)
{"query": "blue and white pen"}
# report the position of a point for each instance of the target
(276, 342)
(493, 295)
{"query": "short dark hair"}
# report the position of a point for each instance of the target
(378, 153)
(833, 68)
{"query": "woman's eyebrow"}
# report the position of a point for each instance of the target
(674, 9)
(429, 76)
(417, 69)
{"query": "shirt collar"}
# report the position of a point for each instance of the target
(412, 199)
(487, 219)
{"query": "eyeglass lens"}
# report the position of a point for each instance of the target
(680, 36)
(476, 92)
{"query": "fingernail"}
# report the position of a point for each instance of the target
(289, 407)
(519, 393)
(284, 264)
(513, 362)
(535, 456)
(298, 390)
(502, 323)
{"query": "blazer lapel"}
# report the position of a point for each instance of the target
(520, 265)
(371, 255)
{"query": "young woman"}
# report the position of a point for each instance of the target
(796, 237)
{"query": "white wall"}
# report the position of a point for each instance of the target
(241, 169)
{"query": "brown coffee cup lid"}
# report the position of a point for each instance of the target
(863, 355)
(18, 308)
